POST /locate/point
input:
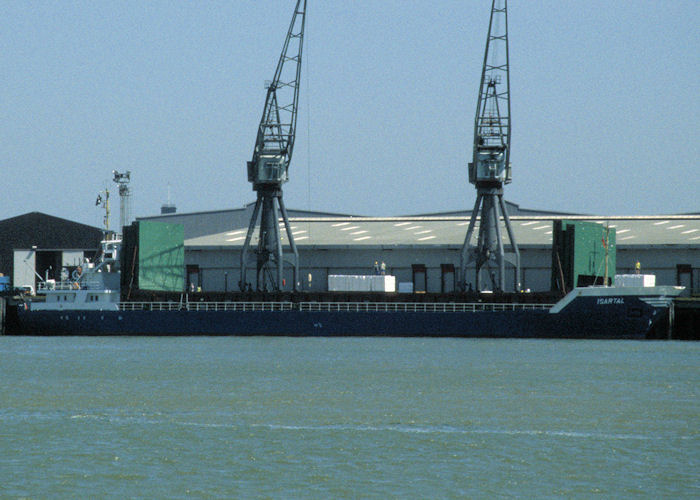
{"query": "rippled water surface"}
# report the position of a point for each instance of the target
(328, 418)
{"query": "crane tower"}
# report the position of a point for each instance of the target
(269, 167)
(122, 180)
(490, 167)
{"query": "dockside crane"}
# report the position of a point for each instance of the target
(490, 167)
(269, 167)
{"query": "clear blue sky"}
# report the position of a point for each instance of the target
(604, 104)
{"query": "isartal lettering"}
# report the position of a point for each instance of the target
(610, 300)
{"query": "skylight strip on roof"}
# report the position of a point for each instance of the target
(349, 228)
(427, 238)
(362, 238)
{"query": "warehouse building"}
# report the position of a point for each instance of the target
(423, 251)
(36, 245)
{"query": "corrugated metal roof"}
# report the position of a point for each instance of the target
(333, 232)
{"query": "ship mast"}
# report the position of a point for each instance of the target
(490, 167)
(104, 203)
(269, 167)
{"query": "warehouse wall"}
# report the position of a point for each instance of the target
(662, 262)
(219, 267)
(216, 267)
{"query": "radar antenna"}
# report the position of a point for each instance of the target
(490, 167)
(269, 167)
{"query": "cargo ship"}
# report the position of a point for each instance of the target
(91, 303)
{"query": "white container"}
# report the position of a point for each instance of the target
(360, 283)
(383, 283)
(635, 280)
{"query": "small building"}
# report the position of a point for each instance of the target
(37, 245)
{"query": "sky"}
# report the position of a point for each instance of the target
(604, 99)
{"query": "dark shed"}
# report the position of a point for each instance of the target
(49, 235)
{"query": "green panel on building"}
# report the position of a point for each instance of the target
(161, 256)
(583, 253)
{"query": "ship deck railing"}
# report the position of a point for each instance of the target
(206, 306)
(86, 284)
(44, 286)
(417, 306)
(332, 306)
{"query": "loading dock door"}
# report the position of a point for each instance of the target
(684, 276)
(447, 272)
(194, 278)
(49, 264)
(420, 278)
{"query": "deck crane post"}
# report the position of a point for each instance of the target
(269, 167)
(490, 167)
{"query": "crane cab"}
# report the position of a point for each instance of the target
(268, 169)
(490, 166)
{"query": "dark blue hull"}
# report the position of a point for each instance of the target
(581, 319)
(583, 313)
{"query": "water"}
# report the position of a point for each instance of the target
(337, 418)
